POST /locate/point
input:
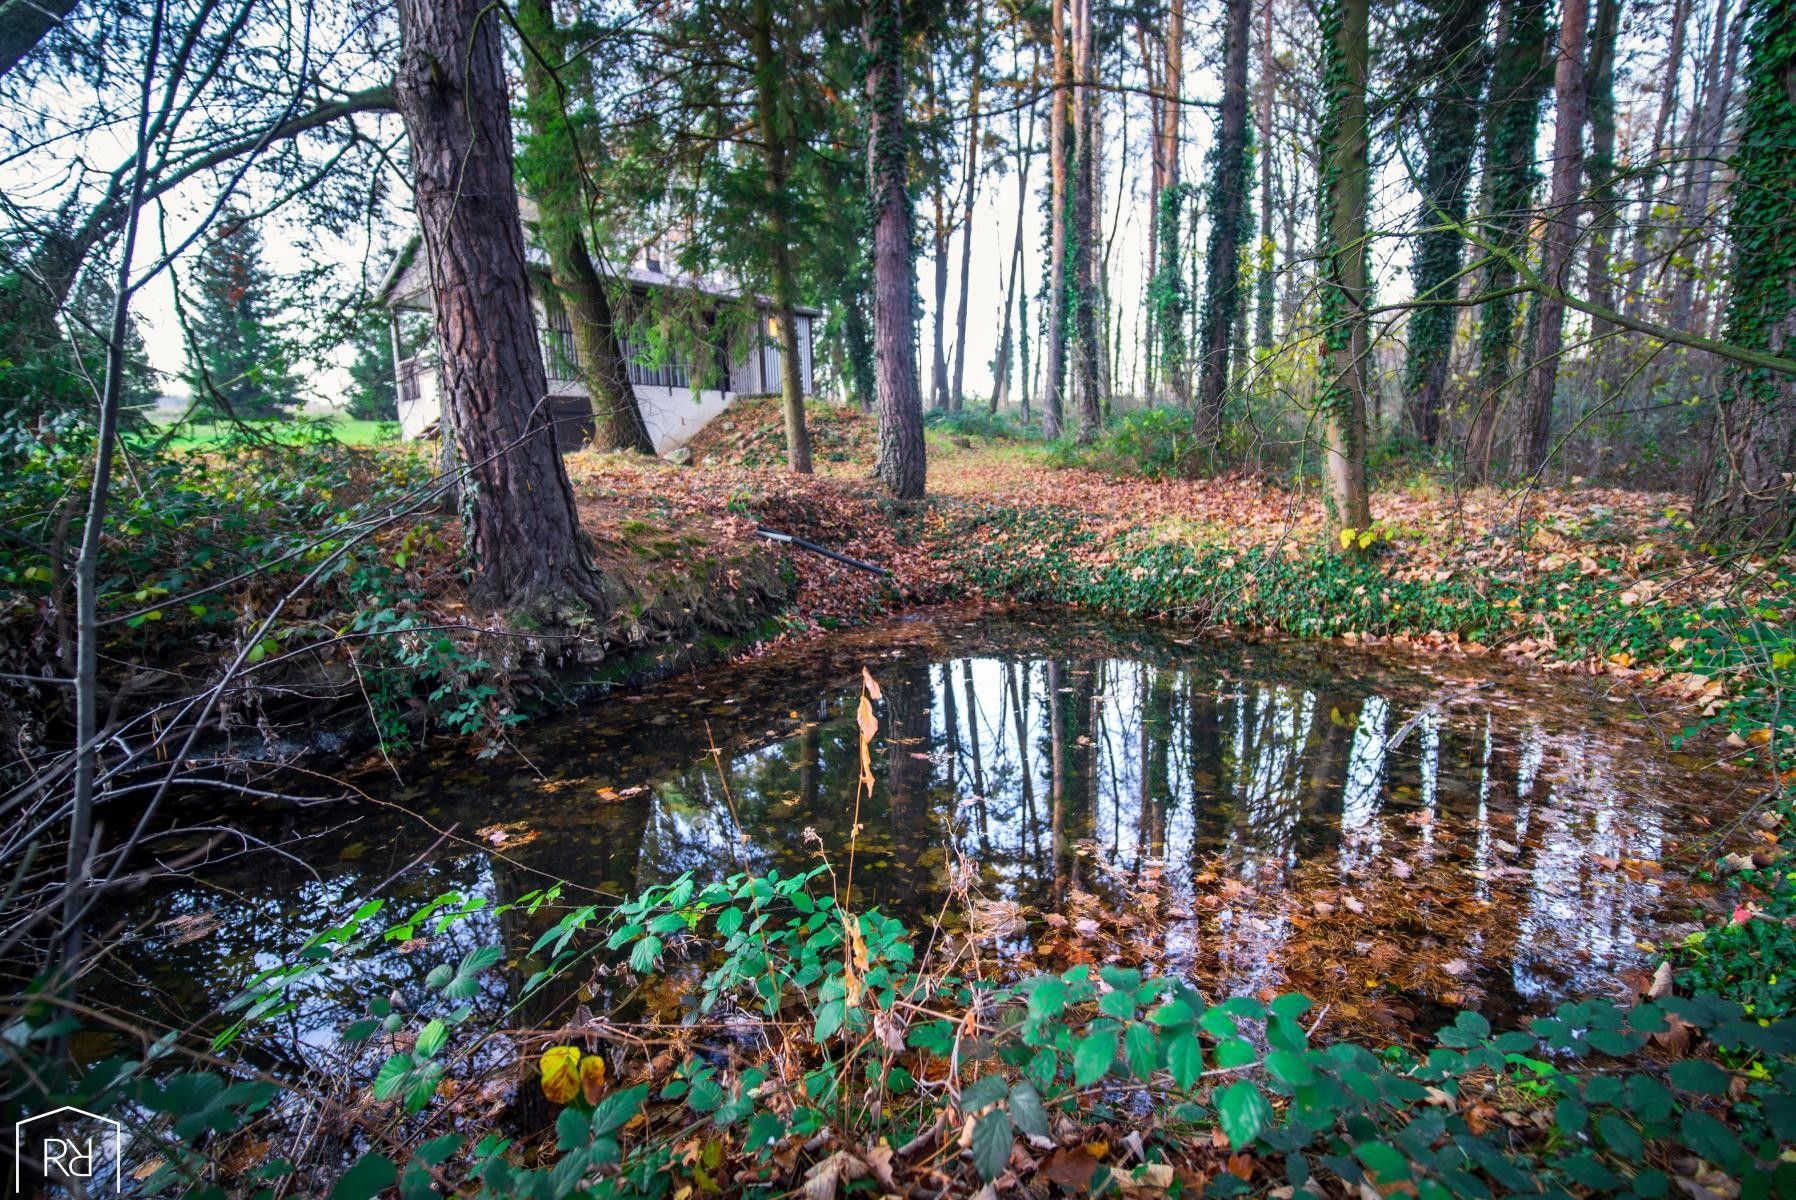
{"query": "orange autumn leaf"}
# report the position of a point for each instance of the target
(592, 1077)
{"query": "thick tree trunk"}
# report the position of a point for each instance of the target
(1053, 394)
(771, 77)
(524, 531)
(1344, 145)
(957, 397)
(1561, 234)
(901, 465)
(1222, 294)
(1451, 124)
(1749, 491)
(1518, 83)
(553, 174)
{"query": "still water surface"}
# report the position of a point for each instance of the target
(1396, 836)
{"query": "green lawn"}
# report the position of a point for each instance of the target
(350, 431)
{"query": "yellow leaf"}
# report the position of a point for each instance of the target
(869, 726)
(592, 1077)
(560, 1069)
(1347, 536)
(1366, 539)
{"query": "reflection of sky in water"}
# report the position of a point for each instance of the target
(1244, 776)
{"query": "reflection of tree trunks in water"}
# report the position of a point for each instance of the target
(1031, 826)
(1156, 739)
(1325, 788)
(1079, 793)
(809, 776)
(1057, 775)
(1144, 798)
(951, 720)
(909, 770)
(966, 676)
(1210, 790)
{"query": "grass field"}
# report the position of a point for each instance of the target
(350, 431)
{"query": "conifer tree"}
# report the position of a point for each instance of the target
(240, 361)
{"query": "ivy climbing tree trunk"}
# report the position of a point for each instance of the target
(1087, 348)
(1518, 83)
(1166, 293)
(524, 531)
(901, 464)
(1450, 128)
(1561, 235)
(777, 130)
(1749, 490)
(1228, 218)
(555, 176)
(1264, 255)
(1053, 394)
(1344, 145)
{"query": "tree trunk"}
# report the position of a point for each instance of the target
(1671, 74)
(901, 465)
(1009, 345)
(524, 531)
(1451, 125)
(1344, 144)
(1599, 91)
(1518, 83)
(1264, 259)
(1087, 390)
(1222, 293)
(1749, 491)
(771, 78)
(555, 176)
(957, 397)
(1167, 294)
(1053, 395)
(1561, 234)
(1705, 148)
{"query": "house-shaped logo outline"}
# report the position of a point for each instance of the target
(18, 1143)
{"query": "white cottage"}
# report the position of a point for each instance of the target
(673, 409)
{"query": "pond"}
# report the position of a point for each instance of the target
(1397, 836)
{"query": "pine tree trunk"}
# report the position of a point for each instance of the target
(1053, 395)
(776, 151)
(1344, 143)
(1222, 294)
(1518, 83)
(1451, 125)
(524, 534)
(901, 464)
(1561, 234)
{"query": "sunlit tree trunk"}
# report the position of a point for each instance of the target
(1088, 388)
(1561, 234)
(525, 536)
(1344, 145)
(1053, 394)
(1167, 298)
